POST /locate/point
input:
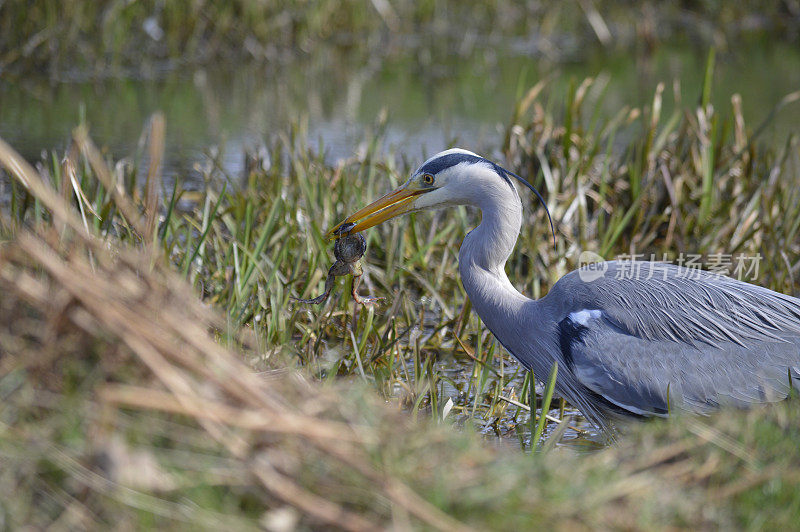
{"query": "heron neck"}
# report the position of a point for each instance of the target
(483, 256)
(521, 324)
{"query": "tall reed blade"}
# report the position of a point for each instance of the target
(546, 400)
(153, 183)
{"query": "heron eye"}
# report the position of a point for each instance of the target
(427, 179)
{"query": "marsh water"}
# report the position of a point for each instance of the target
(430, 102)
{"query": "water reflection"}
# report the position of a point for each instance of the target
(430, 105)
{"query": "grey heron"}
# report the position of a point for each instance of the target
(665, 339)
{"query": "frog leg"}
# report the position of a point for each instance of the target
(328, 287)
(353, 291)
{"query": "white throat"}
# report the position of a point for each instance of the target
(484, 253)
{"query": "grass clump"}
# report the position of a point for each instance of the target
(658, 183)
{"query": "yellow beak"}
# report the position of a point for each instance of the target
(393, 204)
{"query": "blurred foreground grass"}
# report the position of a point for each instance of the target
(126, 400)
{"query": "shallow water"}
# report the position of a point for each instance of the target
(430, 104)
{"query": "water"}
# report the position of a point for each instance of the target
(430, 103)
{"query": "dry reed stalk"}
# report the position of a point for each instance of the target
(256, 420)
(153, 183)
(106, 177)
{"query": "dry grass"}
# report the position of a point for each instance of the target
(86, 291)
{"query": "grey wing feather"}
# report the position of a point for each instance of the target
(671, 337)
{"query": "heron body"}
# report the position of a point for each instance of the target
(629, 342)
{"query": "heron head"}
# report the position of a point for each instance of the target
(452, 177)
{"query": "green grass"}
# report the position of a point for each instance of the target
(637, 183)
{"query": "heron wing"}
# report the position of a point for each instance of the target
(668, 337)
